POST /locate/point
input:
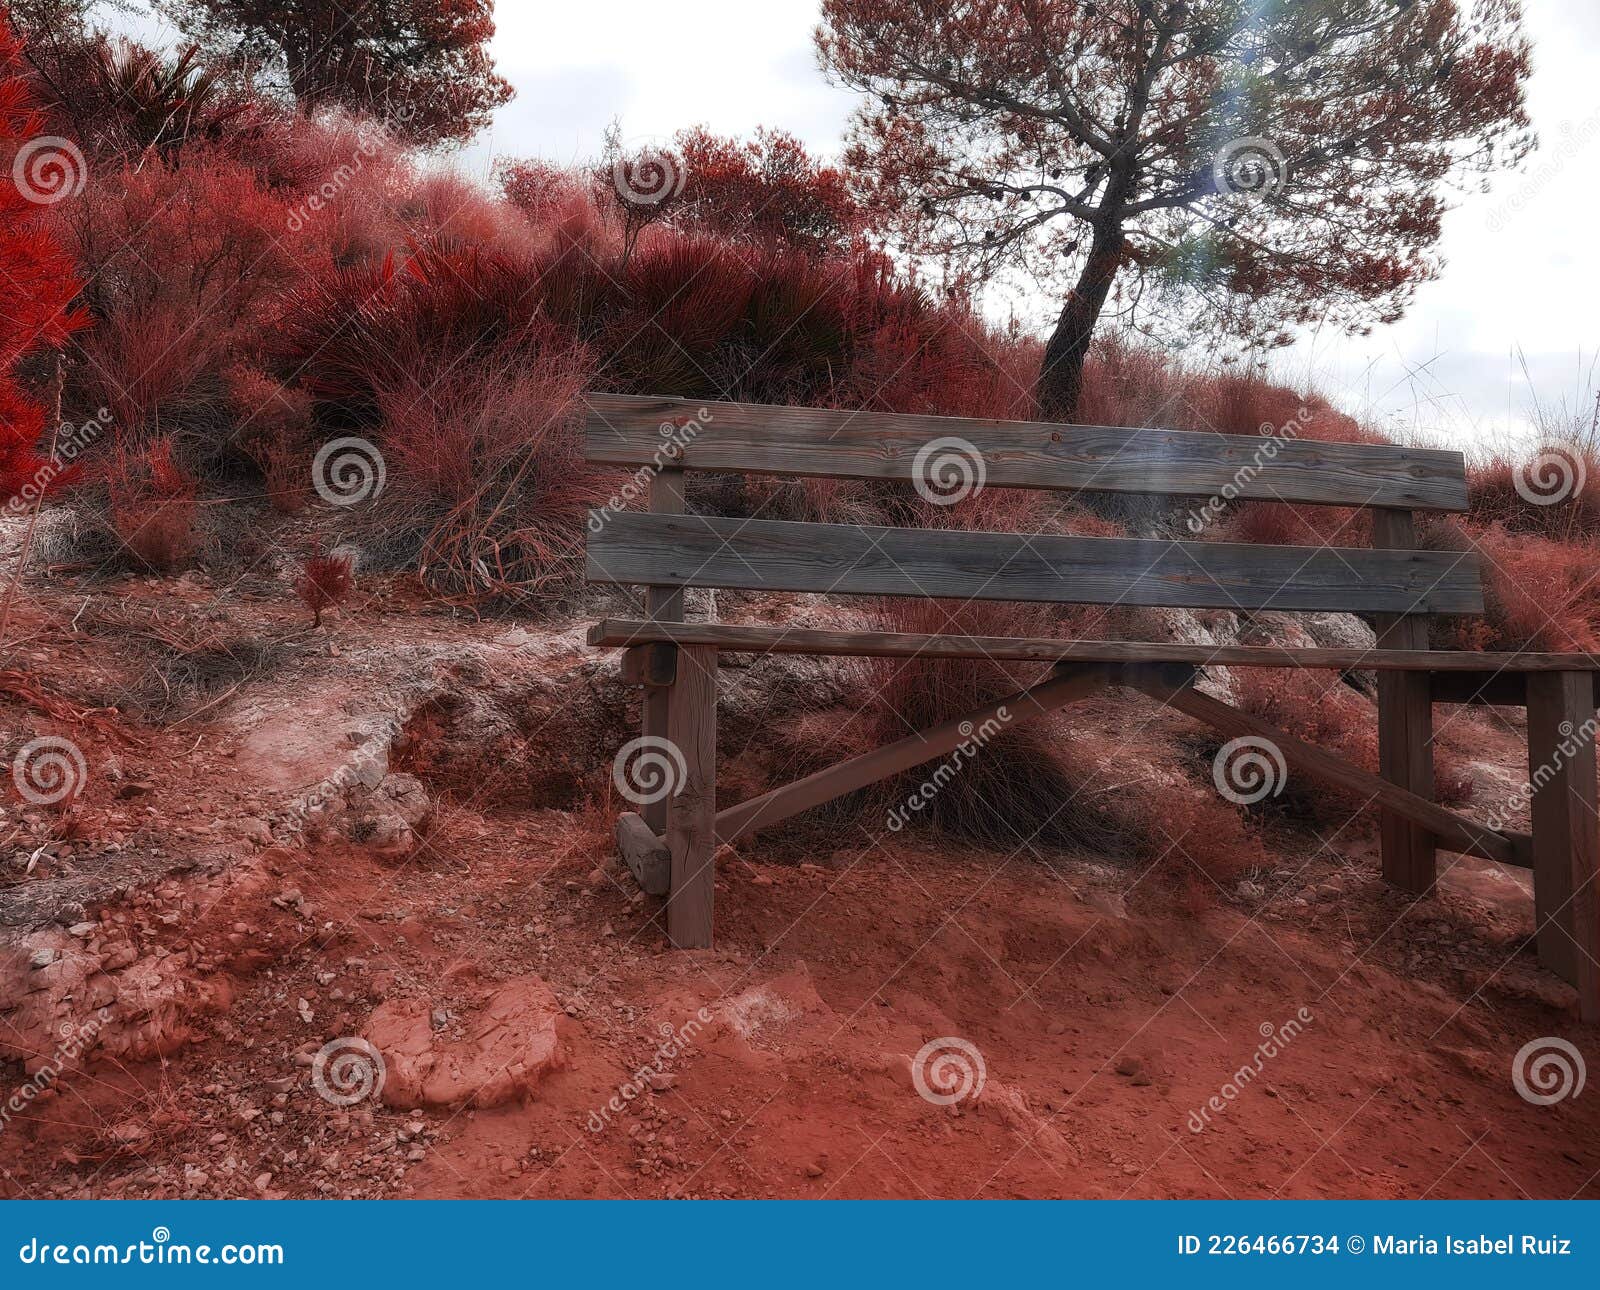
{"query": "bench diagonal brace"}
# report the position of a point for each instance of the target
(1174, 687)
(1062, 687)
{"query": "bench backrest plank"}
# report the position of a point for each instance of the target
(827, 443)
(777, 555)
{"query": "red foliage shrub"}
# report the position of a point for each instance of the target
(324, 581)
(152, 504)
(541, 191)
(767, 189)
(1538, 594)
(187, 267)
(40, 279)
(1558, 498)
(488, 488)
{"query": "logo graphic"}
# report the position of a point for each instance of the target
(48, 170)
(947, 470)
(347, 1070)
(1250, 167)
(1558, 471)
(1249, 768)
(948, 1070)
(647, 178)
(49, 770)
(347, 471)
(1547, 1070)
(648, 769)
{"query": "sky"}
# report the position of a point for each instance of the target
(1510, 326)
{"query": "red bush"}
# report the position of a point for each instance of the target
(768, 190)
(40, 279)
(152, 503)
(324, 581)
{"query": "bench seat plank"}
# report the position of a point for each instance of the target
(859, 559)
(756, 639)
(743, 438)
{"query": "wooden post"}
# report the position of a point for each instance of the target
(661, 604)
(691, 832)
(1566, 830)
(1405, 726)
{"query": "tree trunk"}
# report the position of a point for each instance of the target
(1061, 374)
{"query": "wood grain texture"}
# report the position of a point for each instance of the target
(661, 604)
(691, 821)
(1451, 830)
(647, 856)
(758, 439)
(847, 776)
(1405, 728)
(855, 559)
(1566, 831)
(1477, 669)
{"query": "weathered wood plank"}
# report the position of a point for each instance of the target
(1405, 728)
(1566, 831)
(777, 555)
(1451, 830)
(856, 559)
(661, 604)
(847, 776)
(647, 856)
(1475, 668)
(691, 821)
(757, 439)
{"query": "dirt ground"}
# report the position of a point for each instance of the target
(291, 850)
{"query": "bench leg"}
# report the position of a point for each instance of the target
(653, 725)
(1405, 759)
(691, 831)
(1566, 830)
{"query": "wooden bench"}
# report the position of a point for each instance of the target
(670, 842)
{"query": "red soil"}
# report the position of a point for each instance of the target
(1108, 1002)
